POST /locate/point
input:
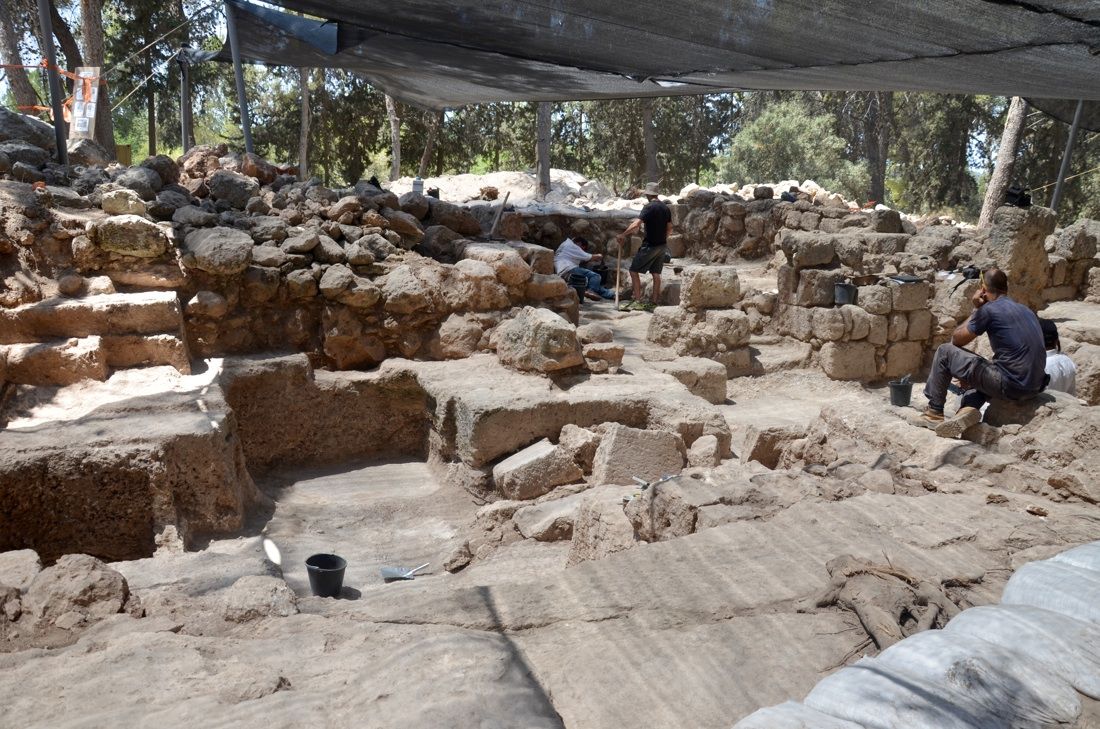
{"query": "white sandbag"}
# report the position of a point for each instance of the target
(1057, 586)
(1005, 683)
(1086, 556)
(876, 696)
(792, 715)
(1067, 647)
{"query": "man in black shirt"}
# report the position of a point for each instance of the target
(650, 258)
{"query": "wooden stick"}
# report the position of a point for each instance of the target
(618, 271)
(500, 212)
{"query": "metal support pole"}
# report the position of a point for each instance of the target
(1064, 169)
(235, 51)
(55, 82)
(185, 98)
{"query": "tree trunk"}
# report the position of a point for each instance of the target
(429, 146)
(151, 114)
(65, 41)
(20, 83)
(187, 112)
(649, 136)
(303, 131)
(877, 140)
(1006, 160)
(91, 28)
(542, 149)
(395, 138)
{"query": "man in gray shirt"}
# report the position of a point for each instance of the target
(1018, 369)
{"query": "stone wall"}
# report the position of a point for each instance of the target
(887, 332)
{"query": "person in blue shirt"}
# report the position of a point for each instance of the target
(1018, 369)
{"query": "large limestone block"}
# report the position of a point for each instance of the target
(131, 235)
(875, 299)
(535, 470)
(1078, 241)
(703, 377)
(606, 351)
(55, 363)
(453, 216)
(817, 287)
(625, 453)
(849, 360)
(829, 325)
(1087, 359)
(405, 292)
(910, 296)
(904, 358)
(404, 224)
(549, 521)
(804, 250)
(19, 567)
(920, 325)
(601, 527)
(539, 258)
(1017, 244)
(509, 266)
(705, 452)
(765, 445)
(545, 286)
(860, 319)
(233, 188)
(76, 589)
(730, 327)
(253, 597)
(122, 202)
(580, 443)
(709, 287)
(221, 251)
(538, 340)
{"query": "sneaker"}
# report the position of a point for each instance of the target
(956, 425)
(931, 417)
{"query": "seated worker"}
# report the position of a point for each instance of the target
(790, 195)
(1060, 368)
(1018, 369)
(568, 259)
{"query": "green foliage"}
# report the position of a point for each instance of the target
(785, 141)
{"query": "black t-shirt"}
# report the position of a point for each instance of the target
(656, 216)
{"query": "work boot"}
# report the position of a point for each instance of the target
(931, 417)
(956, 425)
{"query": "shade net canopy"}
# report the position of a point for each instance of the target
(444, 53)
(1064, 109)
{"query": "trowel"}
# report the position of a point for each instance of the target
(391, 574)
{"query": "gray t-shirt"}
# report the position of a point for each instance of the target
(1017, 341)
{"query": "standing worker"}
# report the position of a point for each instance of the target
(650, 258)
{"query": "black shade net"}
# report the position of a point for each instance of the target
(442, 53)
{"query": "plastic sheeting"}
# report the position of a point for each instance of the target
(1005, 683)
(1065, 647)
(792, 715)
(1063, 588)
(875, 695)
(439, 53)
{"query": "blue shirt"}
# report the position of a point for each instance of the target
(1017, 341)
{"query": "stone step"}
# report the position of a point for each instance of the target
(60, 362)
(784, 354)
(150, 312)
(67, 361)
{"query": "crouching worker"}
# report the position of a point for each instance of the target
(1018, 369)
(569, 259)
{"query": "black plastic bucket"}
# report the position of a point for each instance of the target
(326, 574)
(845, 293)
(901, 393)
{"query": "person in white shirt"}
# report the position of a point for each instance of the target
(570, 256)
(1062, 371)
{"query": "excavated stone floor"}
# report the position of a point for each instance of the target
(697, 630)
